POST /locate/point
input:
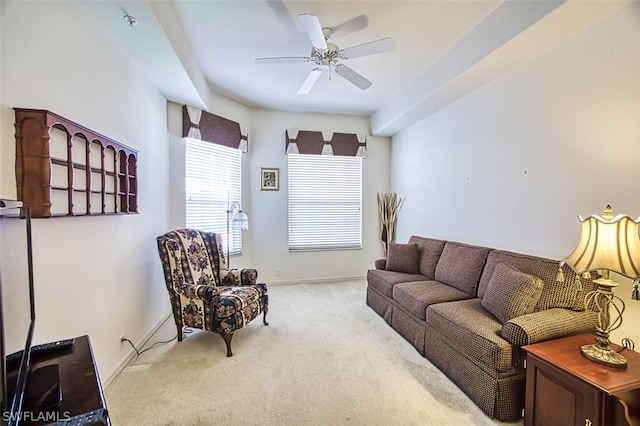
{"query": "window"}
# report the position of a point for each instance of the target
(325, 199)
(212, 179)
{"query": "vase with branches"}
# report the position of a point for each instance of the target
(388, 205)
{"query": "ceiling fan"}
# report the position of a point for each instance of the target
(328, 56)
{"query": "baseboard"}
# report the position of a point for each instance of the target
(131, 354)
(317, 280)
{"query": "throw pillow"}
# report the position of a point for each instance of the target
(511, 293)
(403, 258)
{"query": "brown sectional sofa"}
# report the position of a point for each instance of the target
(470, 309)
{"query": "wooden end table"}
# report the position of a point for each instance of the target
(565, 388)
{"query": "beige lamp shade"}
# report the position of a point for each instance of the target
(608, 243)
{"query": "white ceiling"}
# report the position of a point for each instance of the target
(444, 49)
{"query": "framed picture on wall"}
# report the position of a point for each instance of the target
(269, 179)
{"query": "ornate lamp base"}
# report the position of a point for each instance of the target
(609, 308)
(605, 356)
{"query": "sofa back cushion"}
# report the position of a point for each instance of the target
(460, 266)
(403, 258)
(429, 251)
(554, 294)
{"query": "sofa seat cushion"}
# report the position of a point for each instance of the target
(403, 258)
(384, 281)
(416, 296)
(242, 301)
(474, 332)
(460, 266)
(429, 251)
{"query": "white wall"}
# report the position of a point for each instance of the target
(513, 164)
(265, 244)
(99, 276)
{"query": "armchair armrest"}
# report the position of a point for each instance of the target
(381, 263)
(546, 325)
(202, 292)
(238, 277)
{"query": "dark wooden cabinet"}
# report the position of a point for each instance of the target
(65, 169)
(565, 388)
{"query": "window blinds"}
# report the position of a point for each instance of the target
(212, 178)
(325, 200)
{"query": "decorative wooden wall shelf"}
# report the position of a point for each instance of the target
(65, 169)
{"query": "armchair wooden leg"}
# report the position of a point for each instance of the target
(227, 339)
(264, 318)
(179, 327)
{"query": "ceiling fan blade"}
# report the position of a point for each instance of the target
(369, 48)
(282, 60)
(353, 76)
(313, 28)
(282, 13)
(352, 25)
(310, 81)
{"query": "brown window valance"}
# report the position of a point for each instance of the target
(325, 143)
(198, 124)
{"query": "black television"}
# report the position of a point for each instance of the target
(17, 309)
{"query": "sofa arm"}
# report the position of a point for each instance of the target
(381, 263)
(546, 325)
(238, 277)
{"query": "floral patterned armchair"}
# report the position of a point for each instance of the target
(204, 293)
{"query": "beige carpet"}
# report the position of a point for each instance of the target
(326, 359)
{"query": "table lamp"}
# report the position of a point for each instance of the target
(607, 244)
